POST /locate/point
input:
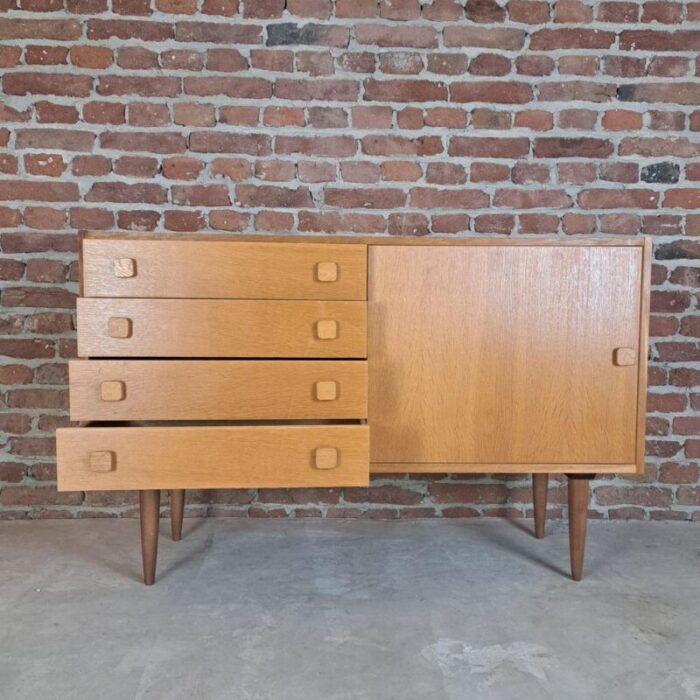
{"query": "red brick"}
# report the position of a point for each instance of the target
(218, 32)
(26, 349)
(83, 218)
(578, 223)
(271, 196)
(685, 198)
(538, 223)
(147, 114)
(22, 83)
(148, 141)
(177, 7)
(182, 60)
(183, 168)
(200, 195)
(226, 60)
(402, 63)
(535, 119)
(528, 11)
(318, 89)
(193, 114)
(137, 58)
(62, 30)
(445, 174)
(91, 165)
(490, 64)
(44, 218)
(572, 147)
(450, 223)
(486, 91)
(488, 147)
(381, 35)
(283, 116)
(277, 61)
(183, 220)
(400, 145)
(99, 29)
(39, 191)
(137, 220)
(321, 9)
(228, 220)
(662, 11)
(374, 198)
(549, 39)
(91, 56)
(356, 8)
(650, 40)
(319, 146)
(104, 113)
(618, 12)
(137, 85)
(141, 193)
(534, 65)
(489, 172)
(45, 55)
(531, 199)
(400, 171)
(425, 197)
(239, 115)
(314, 171)
(232, 168)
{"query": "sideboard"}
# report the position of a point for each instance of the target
(291, 361)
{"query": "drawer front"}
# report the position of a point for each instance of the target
(221, 328)
(223, 269)
(217, 389)
(212, 457)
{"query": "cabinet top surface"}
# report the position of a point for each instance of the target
(621, 241)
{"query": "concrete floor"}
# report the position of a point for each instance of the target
(340, 610)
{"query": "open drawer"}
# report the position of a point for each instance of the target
(212, 456)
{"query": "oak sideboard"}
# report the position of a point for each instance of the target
(292, 361)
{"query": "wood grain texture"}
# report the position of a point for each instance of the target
(223, 269)
(149, 507)
(378, 240)
(503, 355)
(221, 328)
(219, 389)
(578, 498)
(204, 457)
(540, 482)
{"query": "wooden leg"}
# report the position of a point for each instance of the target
(177, 511)
(150, 512)
(539, 501)
(578, 517)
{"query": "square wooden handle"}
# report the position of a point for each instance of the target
(326, 330)
(124, 267)
(118, 327)
(327, 272)
(103, 461)
(112, 391)
(623, 357)
(326, 391)
(326, 458)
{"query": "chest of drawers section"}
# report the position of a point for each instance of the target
(218, 364)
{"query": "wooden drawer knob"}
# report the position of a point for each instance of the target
(118, 327)
(625, 356)
(327, 272)
(326, 391)
(103, 461)
(326, 330)
(326, 458)
(112, 391)
(124, 267)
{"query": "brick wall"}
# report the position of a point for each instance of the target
(377, 117)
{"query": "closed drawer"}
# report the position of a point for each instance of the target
(221, 328)
(212, 457)
(217, 389)
(223, 269)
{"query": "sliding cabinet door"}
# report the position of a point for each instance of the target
(504, 355)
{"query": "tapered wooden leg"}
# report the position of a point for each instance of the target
(539, 501)
(150, 512)
(578, 517)
(177, 511)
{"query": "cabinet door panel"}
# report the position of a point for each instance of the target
(504, 354)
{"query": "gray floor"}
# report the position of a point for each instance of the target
(335, 610)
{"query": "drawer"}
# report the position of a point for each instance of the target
(221, 328)
(217, 389)
(223, 269)
(212, 457)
